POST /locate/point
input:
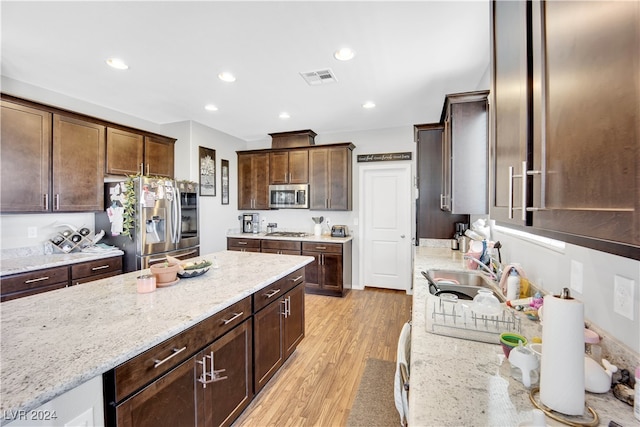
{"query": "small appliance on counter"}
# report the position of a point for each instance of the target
(251, 223)
(339, 231)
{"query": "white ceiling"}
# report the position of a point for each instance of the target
(408, 56)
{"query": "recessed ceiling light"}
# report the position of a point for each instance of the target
(284, 115)
(210, 107)
(226, 76)
(344, 54)
(117, 63)
(368, 105)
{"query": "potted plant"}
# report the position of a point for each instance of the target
(165, 272)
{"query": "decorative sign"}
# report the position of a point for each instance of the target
(383, 157)
(207, 171)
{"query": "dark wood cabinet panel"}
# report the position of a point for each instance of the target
(288, 247)
(332, 263)
(125, 152)
(25, 143)
(432, 222)
(253, 181)
(267, 337)
(159, 156)
(243, 245)
(78, 165)
(294, 328)
(330, 178)
(289, 167)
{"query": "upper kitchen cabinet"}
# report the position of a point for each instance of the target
(289, 167)
(465, 145)
(253, 180)
(77, 165)
(510, 98)
(159, 156)
(25, 143)
(581, 176)
(124, 152)
(330, 177)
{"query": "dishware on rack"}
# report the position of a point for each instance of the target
(485, 303)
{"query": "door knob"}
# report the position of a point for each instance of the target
(402, 236)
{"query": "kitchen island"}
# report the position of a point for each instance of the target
(54, 342)
(461, 382)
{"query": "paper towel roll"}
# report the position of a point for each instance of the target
(562, 364)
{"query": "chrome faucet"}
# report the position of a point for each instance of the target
(492, 275)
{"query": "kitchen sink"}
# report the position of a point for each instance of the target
(463, 284)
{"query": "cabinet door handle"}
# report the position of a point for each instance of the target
(56, 200)
(39, 279)
(523, 203)
(142, 168)
(46, 202)
(272, 293)
(296, 279)
(102, 267)
(176, 351)
(235, 316)
(242, 243)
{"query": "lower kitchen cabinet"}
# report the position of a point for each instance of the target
(331, 269)
(286, 247)
(243, 245)
(278, 328)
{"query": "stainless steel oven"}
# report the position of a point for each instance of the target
(289, 196)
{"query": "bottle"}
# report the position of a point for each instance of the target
(513, 285)
(636, 399)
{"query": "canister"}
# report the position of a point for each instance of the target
(146, 283)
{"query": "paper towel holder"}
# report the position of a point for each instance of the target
(558, 417)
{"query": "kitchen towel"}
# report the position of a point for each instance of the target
(562, 364)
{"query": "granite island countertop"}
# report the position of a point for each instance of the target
(461, 382)
(55, 341)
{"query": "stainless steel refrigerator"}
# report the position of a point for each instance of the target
(165, 221)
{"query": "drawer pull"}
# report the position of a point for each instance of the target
(242, 243)
(321, 247)
(235, 316)
(39, 279)
(272, 293)
(102, 267)
(176, 351)
(296, 279)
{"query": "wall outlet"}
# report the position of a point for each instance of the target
(32, 232)
(577, 276)
(623, 296)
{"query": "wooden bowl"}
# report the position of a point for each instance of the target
(165, 272)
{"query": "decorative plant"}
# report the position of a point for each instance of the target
(129, 205)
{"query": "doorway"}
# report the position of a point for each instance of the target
(385, 221)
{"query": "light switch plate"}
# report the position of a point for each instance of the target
(577, 276)
(32, 232)
(623, 289)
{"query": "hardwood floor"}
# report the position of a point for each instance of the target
(318, 384)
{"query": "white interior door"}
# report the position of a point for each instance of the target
(386, 226)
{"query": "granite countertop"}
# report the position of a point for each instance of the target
(461, 382)
(308, 238)
(25, 264)
(55, 341)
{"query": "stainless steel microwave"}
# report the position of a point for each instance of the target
(289, 196)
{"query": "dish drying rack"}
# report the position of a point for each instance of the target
(458, 320)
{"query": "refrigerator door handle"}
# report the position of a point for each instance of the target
(178, 219)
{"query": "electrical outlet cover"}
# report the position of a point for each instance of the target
(623, 296)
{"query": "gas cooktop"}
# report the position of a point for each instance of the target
(288, 234)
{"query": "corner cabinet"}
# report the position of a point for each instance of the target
(465, 153)
(330, 177)
(253, 180)
(579, 180)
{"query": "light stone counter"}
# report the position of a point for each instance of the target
(309, 238)
(56, 341)
(25, 264)
(467, 383)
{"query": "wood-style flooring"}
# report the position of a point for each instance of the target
(318, 384)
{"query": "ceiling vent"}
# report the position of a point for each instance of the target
(320, 77)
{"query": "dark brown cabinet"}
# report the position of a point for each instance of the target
(158, 156)
(125, 152)
(25, 143)
(289, 167)
(278, 325)
(287, 247)
(253, 180)
(465, 148)
(579, 180)
(331, 266)
(78, 165)
(330, 177)
(243, 245)
(48, 279)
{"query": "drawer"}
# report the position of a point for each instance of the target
(271, 293)
(281, 245)
(95, 268)
(149, 365)
(334, 248)
(35, 279)
(14, 295)
(96, 277)
(243, 243)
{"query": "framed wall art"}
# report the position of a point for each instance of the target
(207, 159)
(224, 179)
